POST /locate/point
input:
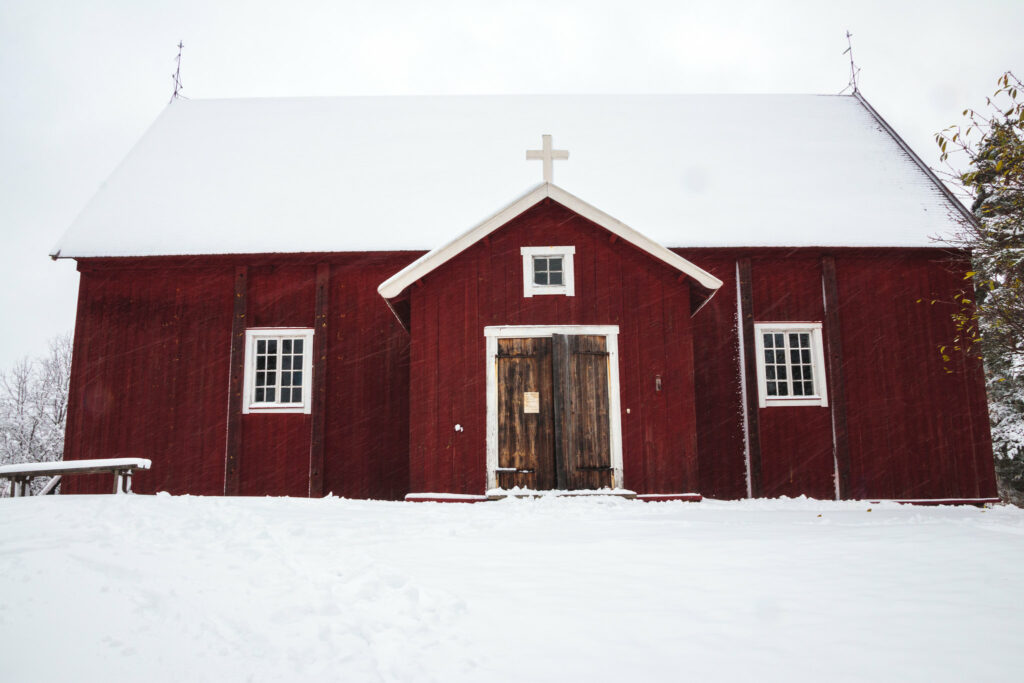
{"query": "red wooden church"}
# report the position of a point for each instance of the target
(728, 296)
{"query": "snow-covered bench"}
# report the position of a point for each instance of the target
(21, 475)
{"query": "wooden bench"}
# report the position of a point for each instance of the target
(21, 475)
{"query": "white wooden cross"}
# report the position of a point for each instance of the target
(548, 156)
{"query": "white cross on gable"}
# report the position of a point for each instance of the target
(548, 156)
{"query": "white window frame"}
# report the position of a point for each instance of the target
(568, 286)
(253, 334)
(817, 365)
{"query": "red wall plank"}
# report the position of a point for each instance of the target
(150, 377)
(916, 431)
(796, 443)
(367, 434)
(717, 388)
(275, 447)
(236, 382)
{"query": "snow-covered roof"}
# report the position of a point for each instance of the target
(387, 173)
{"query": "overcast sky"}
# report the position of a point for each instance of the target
(83, 80)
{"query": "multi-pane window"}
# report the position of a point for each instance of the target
(277, 372)
(790, 364)
(548, 270)
(788, 370)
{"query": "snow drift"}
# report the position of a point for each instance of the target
(162, 588)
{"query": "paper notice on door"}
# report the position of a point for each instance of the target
(531, 401)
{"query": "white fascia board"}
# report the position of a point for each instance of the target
(630, 235)
(397, 283)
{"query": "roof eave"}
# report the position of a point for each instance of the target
(957, 204)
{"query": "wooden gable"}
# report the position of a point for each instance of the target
(395, 289)
(458, 311)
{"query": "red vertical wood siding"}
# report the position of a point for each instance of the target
(720, 403)
(916, 431)
(275, 447)
(236, 382)
(616, 284)
(367, 427)
(150, 376)
(796, 442)
(151, 371)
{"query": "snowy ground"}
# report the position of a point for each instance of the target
(160, 588)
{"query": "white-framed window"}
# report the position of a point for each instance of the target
(278, 370)
(548, 270)
(790, 364)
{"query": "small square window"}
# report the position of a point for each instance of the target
(548, 270)
(277, 377)
(790, 364)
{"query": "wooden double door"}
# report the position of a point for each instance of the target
(554, 430)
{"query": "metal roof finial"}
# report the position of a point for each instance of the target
(178, 87)
(854, 70)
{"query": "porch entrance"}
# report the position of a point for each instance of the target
(554, 412)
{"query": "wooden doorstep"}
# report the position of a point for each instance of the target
(525, 493)
(664, 497)
(443, 498)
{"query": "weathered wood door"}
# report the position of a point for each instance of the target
(585, 449)
(526, 427)
(553, 413)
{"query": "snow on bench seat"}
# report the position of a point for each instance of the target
(122, 468)
(40, 469)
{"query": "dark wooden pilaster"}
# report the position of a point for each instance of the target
(235, 384)
(753, 431)
(837, 381)
(319, 396)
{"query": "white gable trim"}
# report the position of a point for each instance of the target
(397, 283)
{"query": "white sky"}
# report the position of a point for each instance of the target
(83, 80)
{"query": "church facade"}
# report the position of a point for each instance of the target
(690, 323)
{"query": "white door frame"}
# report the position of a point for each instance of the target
(611, 335)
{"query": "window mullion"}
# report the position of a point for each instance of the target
(280, 369)
(787, 359)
